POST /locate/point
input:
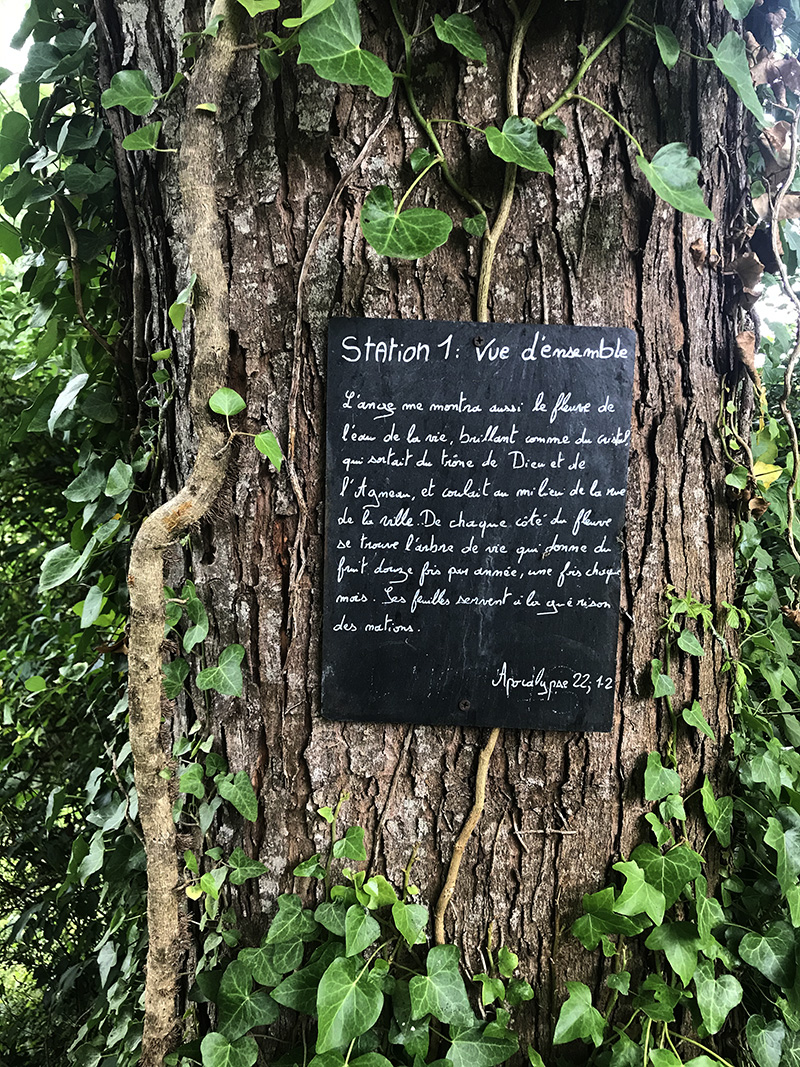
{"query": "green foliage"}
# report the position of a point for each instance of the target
(673, 173)
(358, 972)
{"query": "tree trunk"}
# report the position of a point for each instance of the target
(590, 246)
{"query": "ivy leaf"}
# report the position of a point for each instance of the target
(292, 922)
(740, 9)
(409, 234)
(554, 123)
(332, 914)
(680, 943)
(519, 991)
(380, 892)
(361, 930)
(243, 867)
(310, 868)
(694, 716)
(267, 445)
(671, 872)
(668, 46)
(730, 55)
(475, 225)
(58, 566)
(659, 781)
(518, 142)
(132, 90)
(226, 677)
(459, 31)
(13, 137)
(507, 961)
(260, 962)
(664, 1057)
(177, 310)
(420, 159)
(226, 402)
(672, 173)
(578, 1018)
(689, 644)
(174, 675)
(218, 1051)
(719, 813)
(482, 1046)
(765, 1040)
(10, 246)
(410, 920)
(66, 399)
(772, 953)
(638, 895)
(351, 846)
(144, 139)
(191, 781)
(600, 919)
(240, 1009)
(310, 9)
(299, 990)
(716, 997)
(255, 7)
(709, 912)
(198, 631)
(271, 63)
(119, 484)
(492, 989)
(441, 991)
(663, 686)
(330, 43)
(239, 792)
(349, 1002)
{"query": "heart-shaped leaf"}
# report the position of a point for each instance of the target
(13, 137)
(578, 1018)
(672, 173)
(132, 90)
(226, 402)
(218, 1051)
(331, 44)
(349, 1002)
(408, 234)
(716, 997)
(267, 445)
(668, 46)
(244, 867)
(144, 139)
(518, 142)
(772, 953)
(659, 781)
(311, 8)
(730, 55)
(459, 31)
(255, 7)
(239, 792)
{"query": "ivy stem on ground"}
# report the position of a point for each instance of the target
(792, 362)
(495, 231)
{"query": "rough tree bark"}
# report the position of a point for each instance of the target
(589, 246)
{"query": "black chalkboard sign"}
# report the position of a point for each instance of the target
(475, 494)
